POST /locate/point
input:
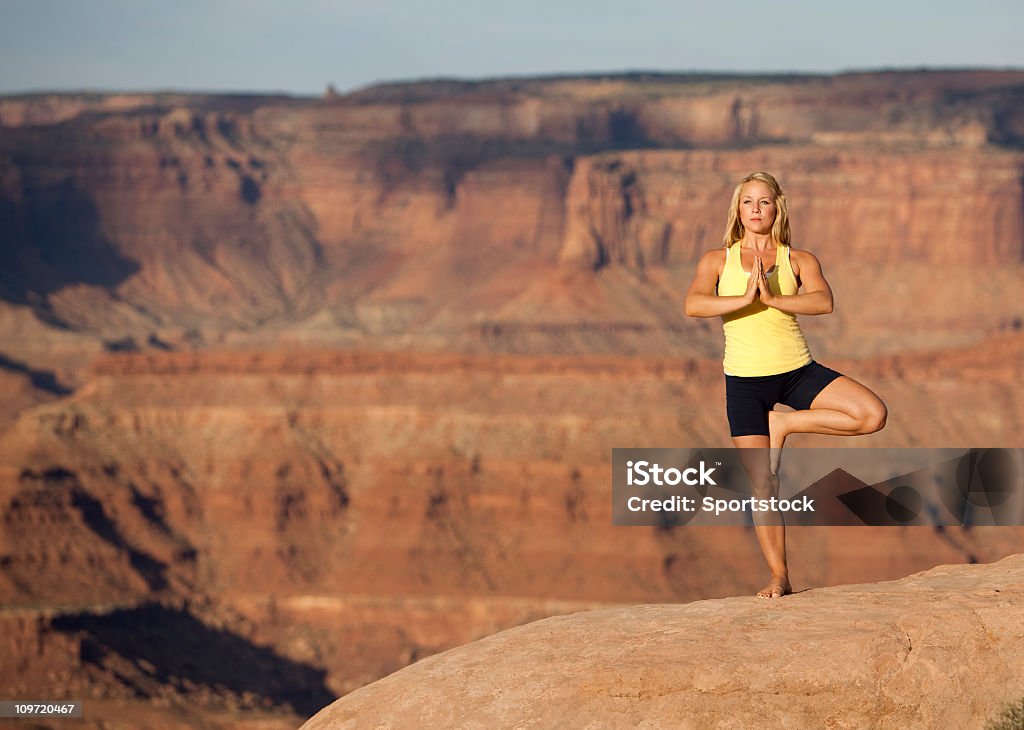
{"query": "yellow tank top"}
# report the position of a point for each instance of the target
(761, 340)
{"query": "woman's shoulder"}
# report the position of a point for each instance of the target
(801, 253)
(798, 257)
(715, 257)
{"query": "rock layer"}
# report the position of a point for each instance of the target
(357, 511)
(448, 215)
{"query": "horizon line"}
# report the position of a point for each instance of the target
(624, 74)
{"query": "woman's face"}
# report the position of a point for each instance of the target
(757, 207)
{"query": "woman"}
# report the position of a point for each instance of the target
(752, 282)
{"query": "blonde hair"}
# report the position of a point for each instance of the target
(780, 228)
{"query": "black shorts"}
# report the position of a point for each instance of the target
(748, 400)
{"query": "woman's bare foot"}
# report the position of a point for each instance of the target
(776, 438)
(777, 587)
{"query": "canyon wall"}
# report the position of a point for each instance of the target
(451, 216)
(348, 513)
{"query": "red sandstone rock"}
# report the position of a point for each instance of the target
(453, 215)
(940, 648)
(362, 510)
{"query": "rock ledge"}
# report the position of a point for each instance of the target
(941, 648)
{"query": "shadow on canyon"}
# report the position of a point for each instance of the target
(151, 647)
(50, 239)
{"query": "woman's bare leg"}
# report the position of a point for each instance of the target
(770, 529)
(843, 408)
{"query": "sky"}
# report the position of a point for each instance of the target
(301, 46)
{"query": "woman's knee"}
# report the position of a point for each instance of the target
(764, 485)
(873, 416)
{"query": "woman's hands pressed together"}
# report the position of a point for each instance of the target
(753, 285)
(763, 290)
(757, 286)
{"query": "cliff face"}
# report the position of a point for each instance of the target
(940, 648)
(354, 512)
(872, 206)
(432, 214)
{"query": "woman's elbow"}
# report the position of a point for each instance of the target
(694, 308)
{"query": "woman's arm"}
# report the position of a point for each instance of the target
(817, 296)
(701, 300)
